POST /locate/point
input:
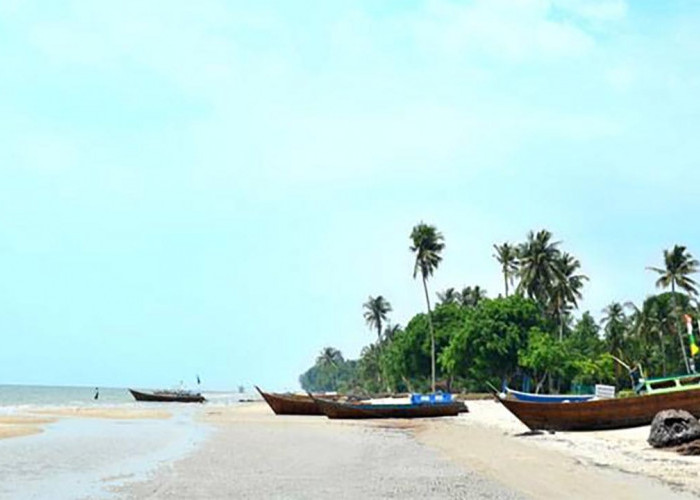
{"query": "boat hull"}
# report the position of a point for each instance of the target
(335, 410)
(549, 398)
(290, 404)
(166, 398)
(602, 414)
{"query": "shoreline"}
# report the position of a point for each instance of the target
(131, 452)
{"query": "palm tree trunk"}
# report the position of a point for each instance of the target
(432, 336)
(505, 279)
(678, 326)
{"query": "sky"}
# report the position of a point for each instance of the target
(216, 187)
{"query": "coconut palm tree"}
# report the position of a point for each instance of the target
(566, 289)
(449, 296)
(329, 357)
(614, 325)
(428, 244)
(679, 264)
(538, 265)
(376, 310)
(507, 255)
(470, 297)
(391, 331)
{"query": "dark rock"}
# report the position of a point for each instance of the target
(692, 448)
(673, 427)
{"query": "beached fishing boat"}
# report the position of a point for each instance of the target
(667, 384)
(334, 409)
(547, 398)
(290, 404)
(603, 413)
(168, 396)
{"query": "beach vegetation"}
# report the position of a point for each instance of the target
(531, 338)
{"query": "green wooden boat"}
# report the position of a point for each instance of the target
(663, 385)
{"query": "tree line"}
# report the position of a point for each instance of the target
(528, 336)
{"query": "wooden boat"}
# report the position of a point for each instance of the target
(290, 404)
(548, 398)
(668, 384)
(334, 409)
(168, 396)
(602, 413)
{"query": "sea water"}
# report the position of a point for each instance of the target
(86, 457)
(23, 396)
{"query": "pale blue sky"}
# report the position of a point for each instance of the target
(216, 187)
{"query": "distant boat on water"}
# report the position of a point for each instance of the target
(181, 396)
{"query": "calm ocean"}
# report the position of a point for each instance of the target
(40, 395)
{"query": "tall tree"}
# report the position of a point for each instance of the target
(428, 244)
(614, 326)
(507, 255)
(539, 266)
(376, 310)
(679, 264)
(566, 289)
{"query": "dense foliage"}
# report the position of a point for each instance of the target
(528, 338)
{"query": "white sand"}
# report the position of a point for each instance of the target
(258, 455)
(255, 454)
(623, 450)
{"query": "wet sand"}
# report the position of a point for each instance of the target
(114, 413)
(71, 457)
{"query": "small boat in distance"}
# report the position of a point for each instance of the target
(290, 404)
(181, 396)
(334, 409)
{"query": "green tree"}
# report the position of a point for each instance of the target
(470, 297)
(376, 310)
(485, 347)
(679, 264)
(507, 255)
(539, 266)
(428, 244)
(449, 296)
(565, 291)
(544, 356)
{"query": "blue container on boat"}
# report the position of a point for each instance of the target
(430, 398)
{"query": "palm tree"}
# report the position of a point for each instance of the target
(566, 289)
(376, 310)
(391, 331)
(614, 328)
(449, 296)
(428, 244)
(538, 269)
(648, 324)
(679, 264)
(507, 255)
(329, 357)
(470, 297)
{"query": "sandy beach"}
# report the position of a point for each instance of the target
(244, 451)
(483, 454)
